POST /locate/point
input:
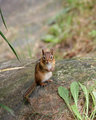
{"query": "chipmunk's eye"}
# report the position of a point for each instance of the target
(43, 57)
(51, 57)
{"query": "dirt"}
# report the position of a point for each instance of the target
(26, 24)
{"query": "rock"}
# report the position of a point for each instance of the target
(15, 78)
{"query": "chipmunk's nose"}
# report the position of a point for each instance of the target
(47, 61)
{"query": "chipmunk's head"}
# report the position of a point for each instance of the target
(47, 57)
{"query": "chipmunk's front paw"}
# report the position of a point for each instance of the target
(50, 80)
(43, 84)
(52, 69)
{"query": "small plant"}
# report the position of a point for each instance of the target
(74, 108)
(59, 32)
(93, 33)
(3, 36)
(72, 2)
(50, 39)
(8, 109)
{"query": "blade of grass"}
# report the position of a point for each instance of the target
(64, 93)
(92, 116)
(62, 12)
(86, 93)
(76, 112)
(3, 19)
(8, 109)
(29, 50)
(9, 45)
(75, 91)
(93, 95)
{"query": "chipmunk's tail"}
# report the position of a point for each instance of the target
(29, 91)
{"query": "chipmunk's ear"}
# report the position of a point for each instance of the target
(52, 51)
(43, 52)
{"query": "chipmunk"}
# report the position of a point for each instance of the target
(43, 71)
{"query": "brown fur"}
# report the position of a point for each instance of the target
(41, 69)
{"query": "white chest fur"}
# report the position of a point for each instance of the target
(49, 66)
(47, 76)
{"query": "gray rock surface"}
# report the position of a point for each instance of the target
(45, 102)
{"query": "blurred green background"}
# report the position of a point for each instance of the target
(67, 26)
